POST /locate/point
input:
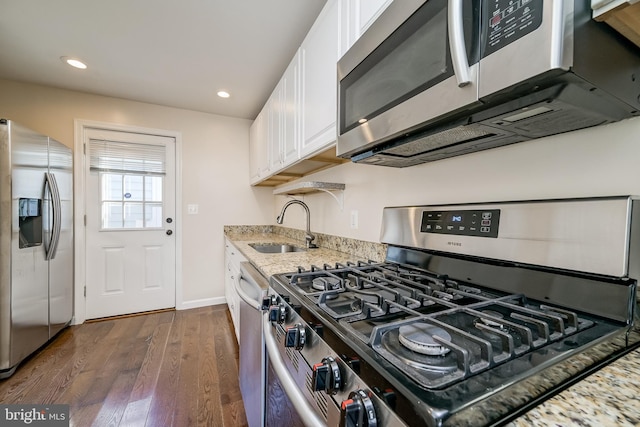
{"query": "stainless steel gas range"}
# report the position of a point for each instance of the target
(479, 312)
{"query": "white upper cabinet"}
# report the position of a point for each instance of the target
(284, 108)
(356, 17)
(298, 122)
(368, 11)
(274, 139)
(258, 152)
(291, 112)
(319, 55)
(274, 135)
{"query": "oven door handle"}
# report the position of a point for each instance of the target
(306, 412)
(457, 43)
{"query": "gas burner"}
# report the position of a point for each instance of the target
(418, 337)
(489, 322)
(436, 363)
(327, 284)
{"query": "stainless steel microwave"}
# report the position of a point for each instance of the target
(434, 79)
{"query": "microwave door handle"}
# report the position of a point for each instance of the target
(457, 43)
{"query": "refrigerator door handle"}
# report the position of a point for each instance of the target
(50, 179)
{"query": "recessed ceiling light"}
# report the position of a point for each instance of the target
(73, 62)
(223, 94)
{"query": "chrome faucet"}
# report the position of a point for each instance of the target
(308, 236)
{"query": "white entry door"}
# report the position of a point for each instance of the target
(130, 212)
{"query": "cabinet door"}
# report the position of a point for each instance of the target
(355, 17)
(235, 308)
(229, 290)
(275, 111)
(258, 150)
(319, 54)
(368, 11)
(232, 260)
(290, 112)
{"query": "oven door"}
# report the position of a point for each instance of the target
(416, 52)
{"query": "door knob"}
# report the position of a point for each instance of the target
(169, 220)
(169, 232)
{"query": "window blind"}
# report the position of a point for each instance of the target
(125, 157)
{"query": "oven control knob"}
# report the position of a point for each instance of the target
(388, 395)
(295, 336)
(358, 410)
(277, 313)
(352, 362)
(318, 329)
(268, 301)
(327, 376)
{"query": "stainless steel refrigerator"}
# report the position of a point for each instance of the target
(36, 242)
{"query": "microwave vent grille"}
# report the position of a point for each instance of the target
(431, 142)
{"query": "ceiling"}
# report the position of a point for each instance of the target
(166, 52)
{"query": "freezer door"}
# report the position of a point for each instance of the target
(27, 289)
(61, 260)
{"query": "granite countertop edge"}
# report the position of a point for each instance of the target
(607, 397)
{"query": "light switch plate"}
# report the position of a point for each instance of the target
(192, 209)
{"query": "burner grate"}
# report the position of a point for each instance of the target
(377, 302)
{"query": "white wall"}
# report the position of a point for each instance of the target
(591, 162)
(214, 163)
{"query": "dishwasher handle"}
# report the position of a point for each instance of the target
(306, 412)
(245, 296)
(254, 279)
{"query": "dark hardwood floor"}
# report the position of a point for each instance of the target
(176, 368)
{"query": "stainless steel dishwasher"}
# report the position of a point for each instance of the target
(251, 288)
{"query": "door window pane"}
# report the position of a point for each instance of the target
(112, 215)
(153, 215)
(133, 188)
(153, 188)
(111, 186)
(133, 215)
(131, 201)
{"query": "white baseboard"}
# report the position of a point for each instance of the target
(204, 302)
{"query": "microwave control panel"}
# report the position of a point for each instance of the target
(481, 223)
(505, 21)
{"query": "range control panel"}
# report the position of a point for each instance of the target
(481, 223)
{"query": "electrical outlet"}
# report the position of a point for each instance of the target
(192, 209)
(354, 219)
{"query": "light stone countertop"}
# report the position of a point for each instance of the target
(270, 264)
(609, 397)
(332, 249)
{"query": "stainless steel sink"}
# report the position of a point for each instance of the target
(275, 248)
